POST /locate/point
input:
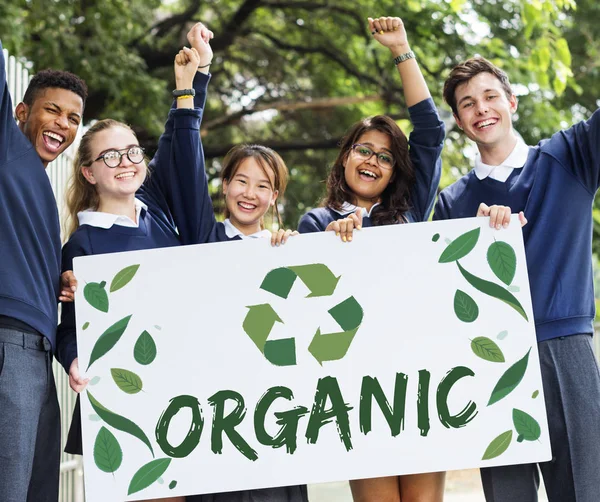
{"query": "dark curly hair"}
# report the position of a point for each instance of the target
(47, 79)
(395, 199)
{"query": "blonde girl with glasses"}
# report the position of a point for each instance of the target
(381, 178)
(115, 204)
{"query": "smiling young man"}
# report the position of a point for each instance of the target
(554, 183)
(48, 119)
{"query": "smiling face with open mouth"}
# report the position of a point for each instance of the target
(249, 194)
(485, 112)
(118, 182)
(51, 122)
(366, 177)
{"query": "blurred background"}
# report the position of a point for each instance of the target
(294, 75)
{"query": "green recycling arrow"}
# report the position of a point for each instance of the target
(317, 277)
(258, 325)
(333, 346)
(259, 322)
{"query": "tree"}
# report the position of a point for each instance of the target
(295, 74)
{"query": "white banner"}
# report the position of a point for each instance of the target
(234, 366)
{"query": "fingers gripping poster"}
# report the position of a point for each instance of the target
(231, 366)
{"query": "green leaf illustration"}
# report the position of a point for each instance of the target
(493, 290)
(535, 394)
(119, 422)
(503, 261)
(123, 277)
(127, 381)
(487, 349)
(172, 484)
(108, 339)
(144, 350)
(460, 246)
(94, 418)
(498, 446)
(502, 335)
(96, 296)
(435, 238)
(94, 380)
(465, 307)
(510, 379)
(148, 474)
(107, 451)
(85, 326)
(526, 426)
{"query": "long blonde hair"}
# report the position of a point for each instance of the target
(81, 194)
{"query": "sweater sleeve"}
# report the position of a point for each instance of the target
(310, 223)
(66, 340)
(581, 153)
(179, 171)
(9, 140)
(425, 149)
(440, 212)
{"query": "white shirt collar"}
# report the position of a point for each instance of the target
(348, 208)
(107, 220)
(232, 231)
(515, 160)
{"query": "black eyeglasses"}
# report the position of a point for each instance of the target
(385, 160)
(113, 158)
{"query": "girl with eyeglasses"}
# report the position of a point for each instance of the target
(115, 204)
(381, 178)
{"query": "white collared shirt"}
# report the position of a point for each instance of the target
(351, 208)
(501, 172)
(106, 220)
(232, 231)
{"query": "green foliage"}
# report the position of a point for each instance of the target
(310, 69)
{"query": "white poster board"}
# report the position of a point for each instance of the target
(232, 366)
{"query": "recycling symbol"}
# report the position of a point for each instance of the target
(317, 277)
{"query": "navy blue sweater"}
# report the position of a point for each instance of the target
(29, 228)
(556, 190)
(425, 147)
(177, 154)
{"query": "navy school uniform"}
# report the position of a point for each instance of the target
(29, 287)
(555, 188)
(175, 198)
(156, 228)
(425, 148)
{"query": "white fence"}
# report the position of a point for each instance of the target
(71, 478)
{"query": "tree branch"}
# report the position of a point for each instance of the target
(211, 152)
(341, 61)
(312, 6)
(232, 29)
(315, 104)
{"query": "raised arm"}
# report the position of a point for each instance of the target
(10, 136)
(390, 32)
(178, 181)
(427, 138)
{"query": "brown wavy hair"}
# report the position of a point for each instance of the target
(81, 194)
(268, 160)
(395, 199)
(469, 69)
